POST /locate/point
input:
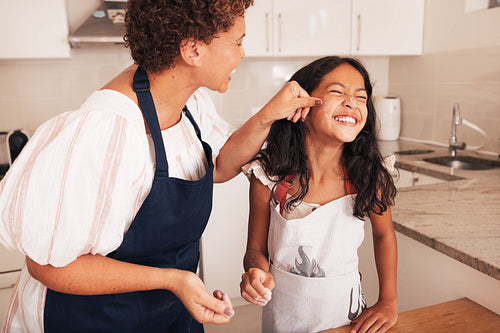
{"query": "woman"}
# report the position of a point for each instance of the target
(310, 188)
(109, 202)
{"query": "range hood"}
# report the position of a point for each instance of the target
(104, 27)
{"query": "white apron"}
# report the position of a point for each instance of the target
(314, 263)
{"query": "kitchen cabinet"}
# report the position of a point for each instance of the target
(298, 28)
(334, 27)
(32, 29)
(387, 27)
(224, 241)
(10, 264)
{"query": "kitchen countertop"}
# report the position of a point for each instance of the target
(459, 217)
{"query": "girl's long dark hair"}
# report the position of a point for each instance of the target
(284, 153)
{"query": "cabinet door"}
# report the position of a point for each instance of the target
(7, 283)
(387, 27)
(312, 28)
(259, 34)
(33, 29)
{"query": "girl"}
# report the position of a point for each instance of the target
(108, 202)
(310, 187)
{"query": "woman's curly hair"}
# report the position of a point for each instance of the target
(155, 29)
(284, 153)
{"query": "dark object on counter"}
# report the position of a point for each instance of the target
(17, 141)
(414, 152)
(11, 144)
(3, 169)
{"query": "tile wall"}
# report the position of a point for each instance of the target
(32, 92)
(430, 84)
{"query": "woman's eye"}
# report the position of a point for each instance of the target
(336, 92)
(362, 97)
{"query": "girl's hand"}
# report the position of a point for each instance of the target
(377, 319)
(291, 102)
(256, 286)
(201, 305)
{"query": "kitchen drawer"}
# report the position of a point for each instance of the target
(7, 283)
(10, 260)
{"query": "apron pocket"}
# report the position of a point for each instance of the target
(303, 304)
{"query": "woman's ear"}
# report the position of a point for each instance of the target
(190, 52)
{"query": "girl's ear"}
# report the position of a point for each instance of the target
(190, 52)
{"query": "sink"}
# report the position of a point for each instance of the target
(464, 162)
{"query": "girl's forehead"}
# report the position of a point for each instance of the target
(344, 75)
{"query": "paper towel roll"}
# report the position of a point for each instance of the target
(388, 110)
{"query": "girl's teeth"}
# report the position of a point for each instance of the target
(345, 119)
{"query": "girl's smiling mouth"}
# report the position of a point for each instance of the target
(346, 119)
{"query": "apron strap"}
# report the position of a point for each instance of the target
(349, 188)
(281, 191)
(193, 122)
(141, 88)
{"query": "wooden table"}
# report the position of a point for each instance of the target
(458, 316)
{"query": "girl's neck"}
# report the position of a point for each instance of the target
(325, 161)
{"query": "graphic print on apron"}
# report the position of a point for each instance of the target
(307, 267)
(361, 304)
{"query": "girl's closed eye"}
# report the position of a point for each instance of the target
(337, 92)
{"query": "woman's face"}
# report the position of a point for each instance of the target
(344, 110)
(223, 55)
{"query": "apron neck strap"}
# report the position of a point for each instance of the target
(146, 103)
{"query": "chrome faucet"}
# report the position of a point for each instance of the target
(455, 121)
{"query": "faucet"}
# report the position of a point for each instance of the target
(455, 121)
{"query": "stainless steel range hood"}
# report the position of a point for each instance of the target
(104, 27)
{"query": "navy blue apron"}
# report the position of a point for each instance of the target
(165, 233)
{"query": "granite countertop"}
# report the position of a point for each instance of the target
(459, 217)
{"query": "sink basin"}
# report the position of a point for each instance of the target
(464, 162)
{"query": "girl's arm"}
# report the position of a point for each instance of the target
(96, 274)
(291, 102)
(257, 282)
(383, 315)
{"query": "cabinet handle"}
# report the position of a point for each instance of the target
(267, 32)
(359, 32)
(8, 287)
(280, 23)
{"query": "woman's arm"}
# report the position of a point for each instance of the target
(257, 282)
(291, 102)
(383, 315)
(96, 274)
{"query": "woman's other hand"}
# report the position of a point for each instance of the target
(204, 307)
(256, 286)
(291, 102)
(378, 318)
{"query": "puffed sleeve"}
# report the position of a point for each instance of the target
(75, 188)
(255, 168)
(214, 129)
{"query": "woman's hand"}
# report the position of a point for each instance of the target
(204, 307)
(377, 319)
(291, 102)
(256, 286)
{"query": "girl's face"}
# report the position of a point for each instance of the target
(344, 110)
(223, 55)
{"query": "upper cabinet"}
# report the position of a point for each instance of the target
(387, 27)
(33, 29)
(298, 27)
(334, 27)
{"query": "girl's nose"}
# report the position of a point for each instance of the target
(350, 101)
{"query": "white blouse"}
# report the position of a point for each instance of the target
(81, 179)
